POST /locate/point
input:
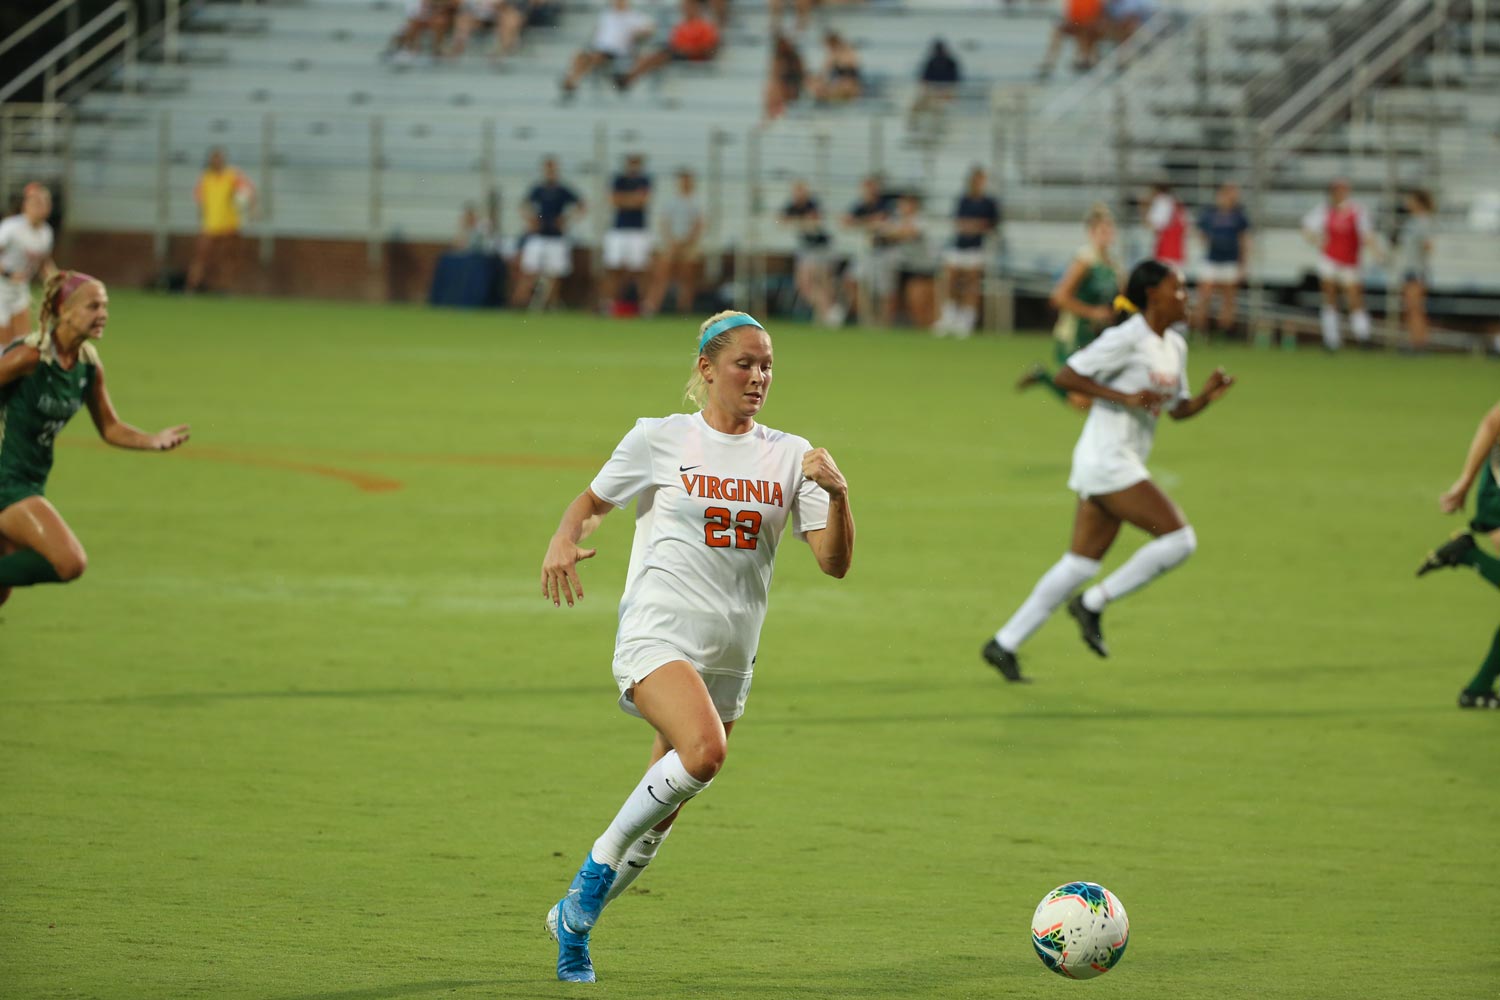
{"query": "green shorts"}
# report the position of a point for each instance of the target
(14, 491)
(1486, 503)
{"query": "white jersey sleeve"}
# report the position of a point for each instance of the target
(628, 472)
(1108, 353)
(1159, 215)
(1315, 222)
(809, 508)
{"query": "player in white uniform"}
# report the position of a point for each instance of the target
(715, 492)
(25, 254)
(1133, 371)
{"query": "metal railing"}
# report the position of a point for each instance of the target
(56, 73)
(1151, 37)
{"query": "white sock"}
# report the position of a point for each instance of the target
(1359, 322)
(1070, 572)
(945, 320)
(666, 786)
(967, 317)
(1150, 561)
(1330, 319)
(637, 858)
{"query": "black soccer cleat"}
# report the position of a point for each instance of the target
(1034, 375)
(1478, 699)
(1450, 553)
(1088, 625)
(1004, 661)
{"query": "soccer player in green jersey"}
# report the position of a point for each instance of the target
(1084, 298)
(1482, 463)
(44, 379)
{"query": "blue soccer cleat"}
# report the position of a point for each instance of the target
(574, 916)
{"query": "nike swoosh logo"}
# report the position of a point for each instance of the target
(652, 793)
(688, 468)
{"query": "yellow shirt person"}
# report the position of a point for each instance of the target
(222, 194)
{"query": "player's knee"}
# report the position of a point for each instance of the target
(70, 566)
(1187, 541)
(704, 757)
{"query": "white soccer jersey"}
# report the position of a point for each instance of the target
(1116, 441)
(23, 248)
(710, 512)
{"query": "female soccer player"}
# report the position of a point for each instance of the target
(1083, 298)
(715, 491)
(1133, 371)
(44, 379)
(1463, 550)
(25, 253)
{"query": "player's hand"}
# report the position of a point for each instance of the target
(1218, 384)
(819, 466)
(1102, 314)
(1146, 399)
(560, 571)
(1452, 501)
(168, 439)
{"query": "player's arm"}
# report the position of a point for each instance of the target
(833, 545)
(1218, 384)
(1071, 381)
(1484, 440)
(122, 435)
(1064, 295)
(560, 565)
(18, 362)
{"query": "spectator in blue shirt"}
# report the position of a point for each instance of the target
(627, 247)
(975, 217)
(1226, 232)
(550, 207)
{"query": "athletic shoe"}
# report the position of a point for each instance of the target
(1478, 699)
(1450, 553)
(1004, 661)
(1088, 625)
(576, 914)
(1030, 377)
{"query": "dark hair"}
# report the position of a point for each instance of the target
(1146, 276)
(1422, 197)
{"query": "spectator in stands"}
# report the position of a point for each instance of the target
(1168, 221)
(813, 271)
(1124, 17)
(804, 14)
(872, 271)
(1341, 228)
(693, 39)
(627, 247)
(1413, 260)
(225, 197)
(552, 206)
(975, 217)
(840, 80)
(618, 32)
(907, 253)
(469, 18)
(679, 257)
(433, 18)
(476, 232)
(1082, 21)
(939, 79)
(784, 84)
(1226, 236)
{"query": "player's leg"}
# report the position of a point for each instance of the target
(1414, 292)
(1228, 293)
(971, 283)
(1148, 508)
(1359, 317)
(1480, 691)
(202, 250)
(45, 548)
(1328, 315)
(1094, 531)
(674, 699)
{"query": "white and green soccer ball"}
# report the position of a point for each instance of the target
(1080, 930)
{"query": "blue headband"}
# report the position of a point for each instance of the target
(725, 324)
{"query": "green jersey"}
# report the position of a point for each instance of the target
(33, 410)
(1099, 287)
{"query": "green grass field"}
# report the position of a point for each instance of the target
(306, 728)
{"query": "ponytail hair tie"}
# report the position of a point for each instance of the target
(1124, 305)
(74, 281)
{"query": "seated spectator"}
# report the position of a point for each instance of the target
(906, 239)
(678, 257)
(471, 17)
(517, 15)
(784, 85)
(871, 273)
(813, 271)
(804, 14)
(693, 39)
(975, 217)
(1124, 17)
(939, 79)
(1083, 21)
(840, 80)
(616, 35)
(433, 18)
(476, 233)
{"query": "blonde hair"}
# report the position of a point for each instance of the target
(52, 300)
(696, 390)
(1098, 214)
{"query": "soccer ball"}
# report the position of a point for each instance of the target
(1080, 930)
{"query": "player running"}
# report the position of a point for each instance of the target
(715, 492)
(25, 254)
(44, 379)
(1483, 463)
(1132, 372)
(1083, 299)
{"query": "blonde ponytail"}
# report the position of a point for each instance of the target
(52, 293)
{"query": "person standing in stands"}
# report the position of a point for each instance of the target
(627, 247)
